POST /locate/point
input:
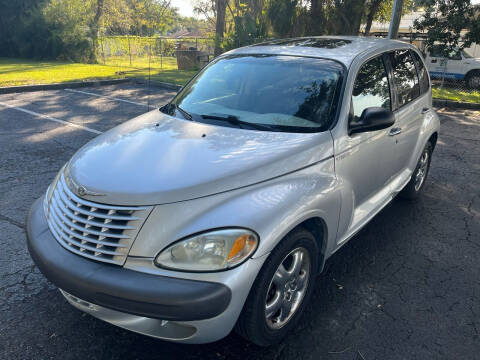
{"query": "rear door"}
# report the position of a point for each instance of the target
(410, 107)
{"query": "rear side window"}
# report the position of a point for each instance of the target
(404, 77)
(371, 87)
(422, 73)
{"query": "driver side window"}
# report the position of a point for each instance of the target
(371, 88)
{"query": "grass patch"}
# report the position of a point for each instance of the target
(456, 95)
(15, 72)
(29, 72)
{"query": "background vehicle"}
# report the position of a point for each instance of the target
(458, 65)
(218, 211)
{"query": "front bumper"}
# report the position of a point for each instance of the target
(161, 306)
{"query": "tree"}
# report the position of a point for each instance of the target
(373, 7)
(220, 9)
(453, 24)
(22, 28)
(282, 14)
(207, 9)
(70, 33)
(94, 28)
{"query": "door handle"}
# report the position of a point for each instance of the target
(434, 61)
(395, 131)
(425, 110)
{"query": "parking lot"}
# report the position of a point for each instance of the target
(406, 287)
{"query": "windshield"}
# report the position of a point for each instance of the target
(467, 55)
(275, 93)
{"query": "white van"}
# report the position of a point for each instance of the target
(459, 65)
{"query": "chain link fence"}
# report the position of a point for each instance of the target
(455, 77)
(454, 80)
(175, 60)
(153, 56)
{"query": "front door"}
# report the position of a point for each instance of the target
(455, 66)
(364, 160)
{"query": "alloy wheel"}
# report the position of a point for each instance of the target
(421, 171)
(287, 288)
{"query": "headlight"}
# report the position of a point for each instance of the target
(210, 251)
(49, 194)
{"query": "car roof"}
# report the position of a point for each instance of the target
(341, 48)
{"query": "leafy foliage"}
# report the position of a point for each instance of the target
(69, 29)
(452, 23)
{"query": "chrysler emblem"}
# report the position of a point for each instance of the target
(79, 189)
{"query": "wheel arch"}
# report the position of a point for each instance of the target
(318, 228)
(433, 139)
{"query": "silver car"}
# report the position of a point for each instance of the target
(217, 211)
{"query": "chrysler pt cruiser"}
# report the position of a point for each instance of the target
(217, 211)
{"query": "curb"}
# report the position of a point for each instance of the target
(455, 104)
(65, 85)
(71, 85)
(156, 83)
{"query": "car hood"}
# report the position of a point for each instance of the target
(157, 159)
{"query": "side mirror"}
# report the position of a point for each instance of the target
(372, 119)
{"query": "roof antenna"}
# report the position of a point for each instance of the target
(149, 77)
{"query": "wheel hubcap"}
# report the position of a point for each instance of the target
(287, 288)
(421, 171)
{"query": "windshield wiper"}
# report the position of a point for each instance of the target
(234, 120)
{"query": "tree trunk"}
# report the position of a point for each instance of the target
(372, 11)
(95, 28)
(317, 18)
(347, 17)
(221, 7)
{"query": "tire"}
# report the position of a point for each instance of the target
(253, 323)
(414, 187)
(473, 80)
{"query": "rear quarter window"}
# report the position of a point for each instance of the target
(422, 73)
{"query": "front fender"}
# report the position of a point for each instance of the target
(270, 208)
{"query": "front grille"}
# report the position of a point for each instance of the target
(96, 231)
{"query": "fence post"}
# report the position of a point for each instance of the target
(161, 53)
(103, 50)
(129, 50)
(445, 60)
(149, 71)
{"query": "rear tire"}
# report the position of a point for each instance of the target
(473, 80)
(414, 187)
(277, 300)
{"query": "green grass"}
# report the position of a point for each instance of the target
(456, 95)
(15, 72)
(29, 72)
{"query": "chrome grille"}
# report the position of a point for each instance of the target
(96, 231)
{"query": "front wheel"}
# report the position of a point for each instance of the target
(416, 183)
(282, 289)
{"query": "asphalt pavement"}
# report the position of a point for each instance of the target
(406, 287)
